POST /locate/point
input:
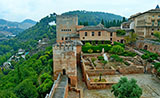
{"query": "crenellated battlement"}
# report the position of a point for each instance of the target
(66, 46)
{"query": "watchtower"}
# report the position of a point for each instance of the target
(65, 58)
(65, 25)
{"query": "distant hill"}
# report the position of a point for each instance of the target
(15, 27)
(93, 18)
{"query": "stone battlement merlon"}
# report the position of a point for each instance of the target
(65, 46)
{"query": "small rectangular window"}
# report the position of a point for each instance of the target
(99, 33)
(92, 33)
(85, 33)
(111, 34)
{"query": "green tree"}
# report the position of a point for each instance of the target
(45, 87)
(102, 22)
(116, 58)
(104, 63)
(26, 89)
(121, 32)
(7, 94)
(117, 49)
(126, 89)
(45, 76)
(131, 38)
(124, 19)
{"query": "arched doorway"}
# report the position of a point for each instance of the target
(64, 72)
(145, 47)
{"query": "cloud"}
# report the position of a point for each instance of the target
(18, 10)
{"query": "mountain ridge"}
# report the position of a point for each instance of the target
(15, 27)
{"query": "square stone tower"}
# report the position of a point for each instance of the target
(65, 25)
(65, 58)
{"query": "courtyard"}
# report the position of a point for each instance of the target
(149, 84)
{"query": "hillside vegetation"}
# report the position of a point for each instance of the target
(28, 39)
(94, 18)
(31, 78)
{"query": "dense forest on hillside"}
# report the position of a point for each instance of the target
(28, 39)
(94, 18)
(31, 78)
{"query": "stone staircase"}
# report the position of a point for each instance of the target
(62, 88)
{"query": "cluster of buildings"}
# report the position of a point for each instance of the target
(67, 28)
(20, 54)
(71, 36)
(145, 25)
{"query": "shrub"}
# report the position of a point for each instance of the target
(99, 42)
(97, 80)
(85, 49)
(116, 58)
(107, 42)
(90, 51)
(98, 51)
(121, 32)
(149, 56)
(93, 59)
(87, 45)
(106, 47)
(100, 58)
(157, 66)
(95, 48)
(120, 44)
(126, 63)
(117, 49)
(128, 53)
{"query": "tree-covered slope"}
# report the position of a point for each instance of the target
(31, 78)
(29, 38)
(94, 18)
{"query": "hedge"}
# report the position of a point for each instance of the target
(120, 44)
(96, 49)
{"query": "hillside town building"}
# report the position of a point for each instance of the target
(145, 25)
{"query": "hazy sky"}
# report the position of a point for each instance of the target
(18, 10)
